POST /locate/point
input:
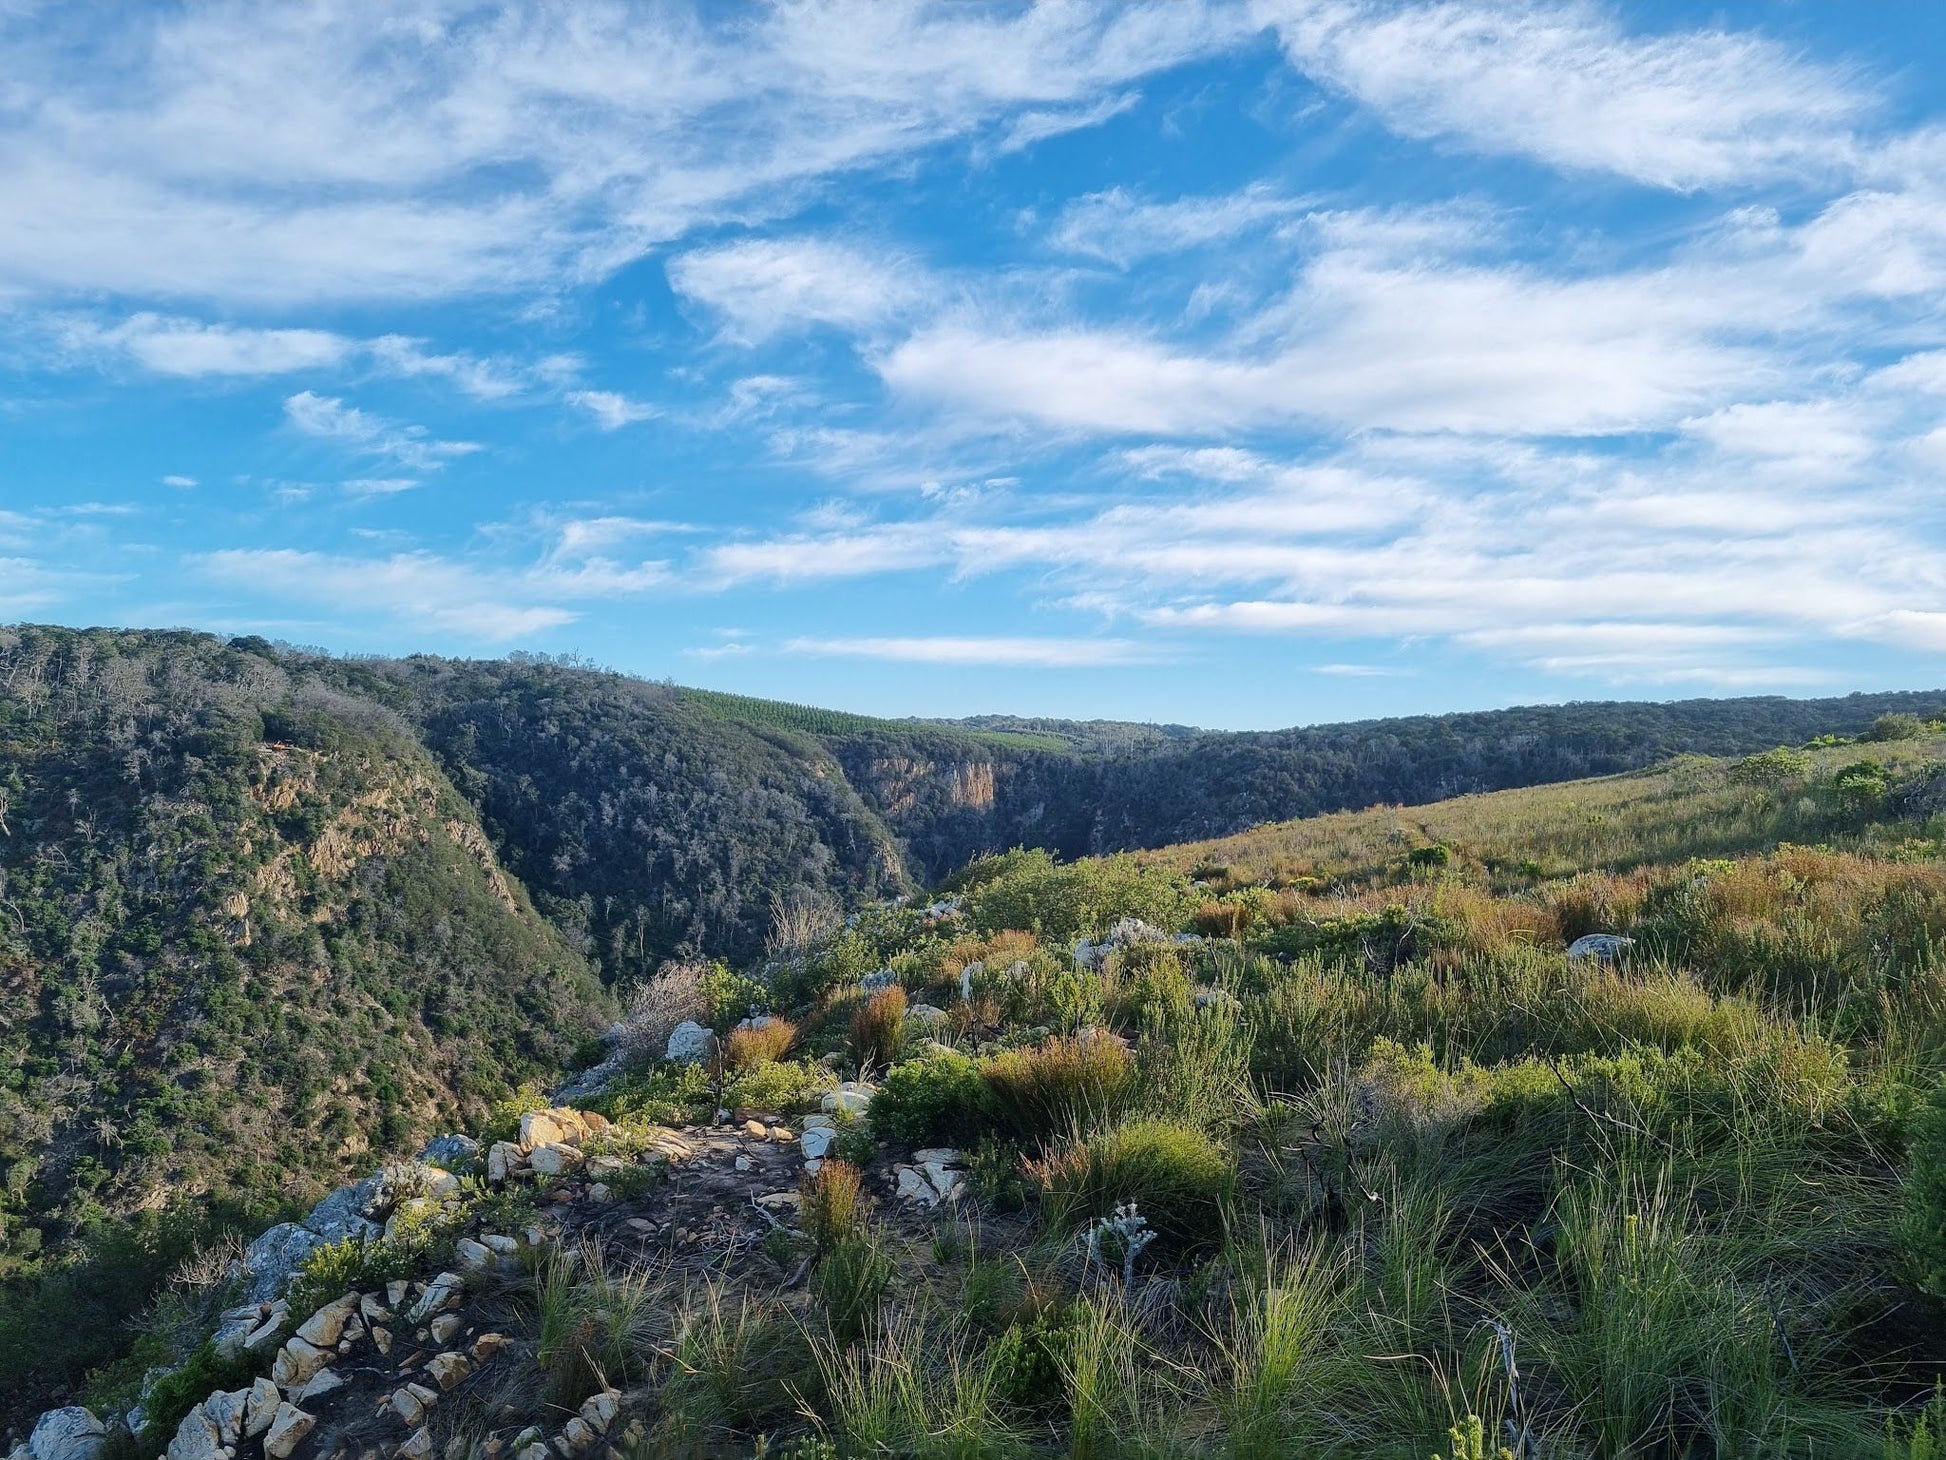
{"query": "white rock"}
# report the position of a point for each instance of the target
(291, 1425)
(854, 1097)
(72, 1433)
(416, 1446)
(818, 1140)
(690, 1043)
(945, 1155)
(225, 1410)
(442, 1292)
(196, 1438)
(449, 1368)
(325, 1327)
(915, 1188)
(296, 1362)
(261, 1408)
(553, 1160)
(473, 1256)
(322, 1382)
(1602, 947)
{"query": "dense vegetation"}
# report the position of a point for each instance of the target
(1341, 1155)
(266, 913)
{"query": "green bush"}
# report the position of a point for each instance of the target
(1176, 1175)
(202, 1373)
(1040, 1092)
(939, 1099)
(1895, 726)
(850, 1283)
(1923, 1224)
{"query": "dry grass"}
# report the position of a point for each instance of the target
(876, 1027)
(749, 1046)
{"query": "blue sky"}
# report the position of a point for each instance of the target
(1232, 364)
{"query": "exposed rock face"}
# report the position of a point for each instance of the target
(269, 1261)
(450, 1151)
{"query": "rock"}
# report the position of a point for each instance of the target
(488, 1345)
(326, 1326)
(1602, 947)
(553, 1160)
(501, 1244)
(322, 1382)
(473, 1256)
(604, 1166)
(441, 1293)
(290, 1425)
(915, 1188)
(599, 1410)
(346, 1212)
(944, 1155)
(266, 1333)
(382, 1338)
(407, 1405)
(269, 1261)
(261, 1408)
(792, 1199)
(973, 970)
(545, 1128)
(854, 1097)
(743, 1163)
(196, 1438)
(819, 1122)
(72, 1433)
(296, 1362)
(449, 1368)
(444, 1327)
(926, 1016)
(578, 1434)
(690, 1043)
(756, 1129)
(450, 1151)
(225, 1410)
(817, 1141)
(504, 1158)
(781, 1134)
(395, 1291)
(416, 1446)
(813, 1165)
(599, 1192)
(533, 1451)
(944, 1179)
(232, 1331)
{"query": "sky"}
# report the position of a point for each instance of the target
(1234, 364)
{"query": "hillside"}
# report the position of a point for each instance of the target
(266, 915)
(1316, 1141)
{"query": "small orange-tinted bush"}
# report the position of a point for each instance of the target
(832, 1207)
(749, 1046)
(1044, 1090)
(875, 1027)
(1222, 919)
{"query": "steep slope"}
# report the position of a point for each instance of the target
(248, 933)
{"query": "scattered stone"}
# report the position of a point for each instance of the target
(443, 1292)
(781, 1134)
(553, 1159)
(291, 1425)
(915, 1188)
(599, 1192)
(853, 1097)
(927, 1016)
(817, 1140)
(504, 1158)
(267, 1333)
(325, 1327)
(382, 1339)
(396, 1290)
(407, 1405)
(690, 1043)
(501, 1244)
(296, 1362)
(641, 1224)
(225, 1411)
(473, 1256)
(322, 1382)
(196, 1438)
(261, 1408)
(449, 1368)
(488, 1345)
(819, 1122)
(791, 1199)
(945, 1155)
(743, 1163)
(598, 1411)
(813, 1165)
(416, 1446)
(578, 1435)
(444, 1327)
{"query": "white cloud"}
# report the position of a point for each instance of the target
(411, 588)
(329, 418)
(174, 480)
(481, 379)
(243, 152)
(1121, 228)
(175, 346)
(380, 486)
(1010, 653)
(1565, 85)
(611, 410)
(761, 287)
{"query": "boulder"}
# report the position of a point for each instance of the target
(473, 1256)
(296, 1362)
(225, 1411)
(926, 1016)
(261, 1409)
(196, 1438)
(915, 1188)
(1602, 947)
(503, 1160)
(548, 1128)
(441, 1293)
(449, 1368)
(67, 1434)
(690, 1043)
(882, 978)
(553, 1159)
(854, 1097)
(290, 1425)
(450, 1151)
(269, 1261)
(325, 1327)
(346, 1212)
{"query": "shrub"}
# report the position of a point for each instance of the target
(1862, 783)
(832, 1210)
(1221, 919)
(181, 1390)
(877, 1026)
(938, 1099)
(781, 1085)
(1175, 1174)
(759, 1043)
(1771, 768)
(653, 1008)
(851, 1281)
(1895, 726)
(356, 1265)
(1429, 859)
(1040, 1091)
(1923, 1226)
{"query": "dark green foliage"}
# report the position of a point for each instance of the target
(202, 1373)
(850, 1282)
(1176, 1175)
(1030, 1358)
(1895, 725)
(938, 1099)
(1923, 1225)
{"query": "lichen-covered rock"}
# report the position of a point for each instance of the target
(450, 1151)
(690, 1043)
(443, 1290)
(269, 1261)
(72, 1433)
(196, 1438)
